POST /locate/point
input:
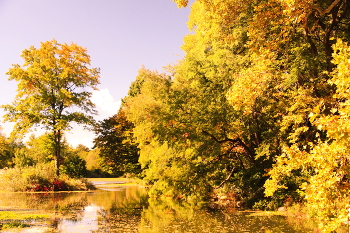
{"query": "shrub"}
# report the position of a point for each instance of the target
(74, 166)
(39, 178)
(77, 184)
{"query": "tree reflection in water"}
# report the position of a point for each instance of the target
(130, 210)
(169, 216)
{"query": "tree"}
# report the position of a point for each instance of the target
(187, 132)
(74, 165)
(39, 149)
(325, 162)
(286, 85)
(6, 151)
(118, 149)
(54, 89)
(82, 148)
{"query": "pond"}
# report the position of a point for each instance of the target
(118, 208)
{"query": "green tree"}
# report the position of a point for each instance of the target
(74, 166)
(6, 151)
(94, 163)
(202, 140)
(118, 150)
(40, 148)
(54, 89)
(185, 128)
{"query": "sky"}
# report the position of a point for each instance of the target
(120, 36)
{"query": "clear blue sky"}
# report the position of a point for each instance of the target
(120, 36)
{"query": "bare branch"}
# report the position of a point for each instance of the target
(329, 9)
(224, 181)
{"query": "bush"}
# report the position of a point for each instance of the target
(39, 178)
(266, 205)
(74, 166)
(34, 178)
(77, 184)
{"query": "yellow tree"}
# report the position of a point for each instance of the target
(278, 55)
(326, 162)
(54, 89)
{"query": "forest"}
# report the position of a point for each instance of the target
(258, 109)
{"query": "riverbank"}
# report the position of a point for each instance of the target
(40, 178)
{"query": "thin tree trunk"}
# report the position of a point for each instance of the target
(57, 139)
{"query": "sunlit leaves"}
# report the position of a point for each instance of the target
(323, 160)
(181, 3)
(256, 87)
(252, 83)
(6, 151)
(52, 79)
(54, 89)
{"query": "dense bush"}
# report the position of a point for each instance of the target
(39, 178)
(74, 166)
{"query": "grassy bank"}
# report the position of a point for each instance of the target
(39, 178)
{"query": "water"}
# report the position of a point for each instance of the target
(128, 209)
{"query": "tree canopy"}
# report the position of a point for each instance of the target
(258, 106)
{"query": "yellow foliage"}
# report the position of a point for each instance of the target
(326, 162)
(252, 83)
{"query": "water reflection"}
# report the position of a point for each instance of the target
(88, 222)
(167, 216)
(128, 209)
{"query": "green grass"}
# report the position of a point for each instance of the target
(18, 215)
(13, 219)
(14, 225)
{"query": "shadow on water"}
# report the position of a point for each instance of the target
(128, 209)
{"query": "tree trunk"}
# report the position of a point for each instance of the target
(57, 140)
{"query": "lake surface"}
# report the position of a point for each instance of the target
(115, 208)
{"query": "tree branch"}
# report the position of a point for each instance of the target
(236, 141)
(329, 9)
(224, 181)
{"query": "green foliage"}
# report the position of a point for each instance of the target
(11, 215)
(187, 138)
(74, 166)
(14, 224)
(118, 151)
(258, 106)
(22, 159)
(41, 149)
(6, 152)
